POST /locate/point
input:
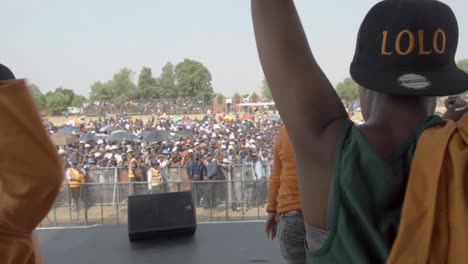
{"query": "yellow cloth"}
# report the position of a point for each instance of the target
(134, 173)
(77, 178)
(283, 191)
(30, 175)
(434, 221)
(156, 176)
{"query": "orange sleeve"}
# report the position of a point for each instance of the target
(275, 182)
(31, 173)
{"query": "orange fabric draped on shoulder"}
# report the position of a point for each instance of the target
(30, 175)
(434, 222)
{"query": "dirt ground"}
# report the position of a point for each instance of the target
(117, 215)
(62, 120)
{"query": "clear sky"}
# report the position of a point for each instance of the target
(72, 44)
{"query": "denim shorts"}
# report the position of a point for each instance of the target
(291, 234)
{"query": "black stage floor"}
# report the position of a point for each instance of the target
(223, 243)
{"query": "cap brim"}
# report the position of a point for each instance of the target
(442, 83)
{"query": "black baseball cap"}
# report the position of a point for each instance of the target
(407, 47)
(6, 73)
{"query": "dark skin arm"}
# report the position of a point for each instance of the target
(307, 102)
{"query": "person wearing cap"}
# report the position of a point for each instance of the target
(285, 216)
(155, 179)
(353, 178)
(75, 179)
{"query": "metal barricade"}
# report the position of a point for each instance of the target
(103, 199)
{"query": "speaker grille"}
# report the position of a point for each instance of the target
(165, 213)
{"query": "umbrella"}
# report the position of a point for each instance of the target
(177, 118)
(229, 117)
(62, 139)
(108, 128)
(68, 129)
(274, 118)
(246, 117)
(119, 131)
(122, 135)
(184, 133)
(94, 137)
(101, 136)
(157, 136)
(145, 132)
(87, 137)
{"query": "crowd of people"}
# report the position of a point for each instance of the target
(168, 140)
(205, 149)
(147, 107)
(392, 190)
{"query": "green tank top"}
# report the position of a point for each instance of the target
(368, 195)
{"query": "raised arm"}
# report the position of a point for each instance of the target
(305, 98)
(307, 102)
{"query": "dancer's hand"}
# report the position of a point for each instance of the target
(271, 225)
(455, 110)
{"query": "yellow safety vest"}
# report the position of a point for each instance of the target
(136, 172)
(76, 179)
(156, 176)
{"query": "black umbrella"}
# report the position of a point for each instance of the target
(87, 137)
(93, 137)
(122, 135)
(107, 128)
(157, 136)
(184, 133)
(68, 129)
(145, 132)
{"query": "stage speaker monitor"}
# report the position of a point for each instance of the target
(161, 215)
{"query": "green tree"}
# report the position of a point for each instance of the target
(70, 94)
(78, 101)
(167, 82)
(122, 87)
(119, 89)
(463, 64)
(59, 100)
(266, 93)
(348, 91)
(100, 92)
(37, 96)
(194, 80)
(147, 85)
